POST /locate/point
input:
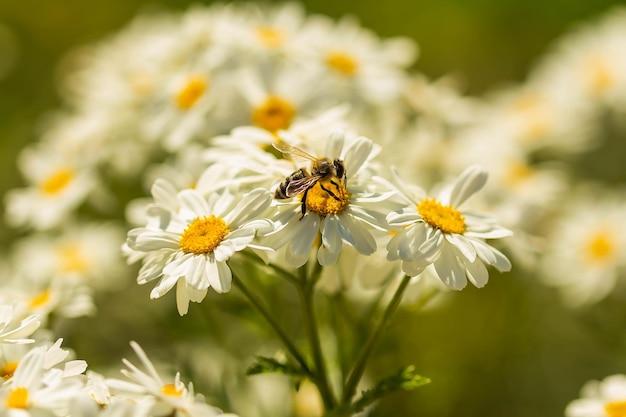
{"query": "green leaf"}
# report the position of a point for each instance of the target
(406, 379)
(264, 365)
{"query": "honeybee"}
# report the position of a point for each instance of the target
(301, 181)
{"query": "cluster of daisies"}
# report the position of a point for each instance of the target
(40, 378)
(250, 127)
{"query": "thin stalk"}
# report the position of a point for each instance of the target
(359, 367)
(293, 350)
(307, 290)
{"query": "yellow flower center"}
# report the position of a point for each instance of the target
(600, 247)
(601, 77)
(72, 259)
(274, 114)
(342, 63)
(517, 173)
(57, 182)
(171, 391)
(445, 218)
(532, 108)
(191, 92)
(322, 202)
(8, 369)
(203, 235)
(40, 299)
(270, 37)
(615, 409)
(17, 398)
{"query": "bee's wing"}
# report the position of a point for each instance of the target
(298, 186)
(290, 150)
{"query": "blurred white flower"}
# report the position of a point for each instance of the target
(166, 397)
(43, 384)
(606, 398)
(586, 249)
(14, 329)
(57, 185)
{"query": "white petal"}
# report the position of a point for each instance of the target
(149, 240)
(491, 256)
(357, 154)
(192, 201)
(166, 284)
(449, 270)
(356, 233)
(469, 182)
(224, 276)
(331, 241)
(182, 299)
(250, 206)
(463, 245)
(299, 248)
(164, 194)
(400, 219)
(477, 273)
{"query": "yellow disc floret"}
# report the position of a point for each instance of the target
(8, 369)
(615, 409)
(270, 37)
(191, 92)
(274, 114)
(17, 398)
(445, 218)
(203, 235)
(600, 247)
(72, 259)
(40, 300)
(171, 391)
(601, 77)
(57, 182)
(322, 202)
(342, 63)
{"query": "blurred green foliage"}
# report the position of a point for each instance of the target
(508, 350)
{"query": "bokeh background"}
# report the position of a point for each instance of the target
(510, 349)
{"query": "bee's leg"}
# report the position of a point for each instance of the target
(303, 205)
(330, 192)
(333, 182)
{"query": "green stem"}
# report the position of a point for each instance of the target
(307, 290)
(359, 367)
(293, 350)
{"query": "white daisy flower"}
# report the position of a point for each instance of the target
(588, 66)
(606, 398)
(16, 330)
(275, 101)
(168, 397)
(43, 296)
(180, 111)
(195, 238)
(354, 63)
(439, 231)
(83, 252)
(586, 250)
(269, 32)
(40, 386)
(56, 187)
(347, 216)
